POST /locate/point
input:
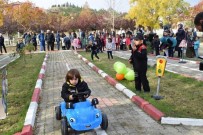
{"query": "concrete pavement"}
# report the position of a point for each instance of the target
(125, 118)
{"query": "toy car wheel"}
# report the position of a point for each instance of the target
(104, 124)
(58, 112)
(64, 126)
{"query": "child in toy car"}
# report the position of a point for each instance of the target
(73, 85)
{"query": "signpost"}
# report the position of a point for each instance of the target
(160, 68)
(4, 93)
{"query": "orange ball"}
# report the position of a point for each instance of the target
(119, 76)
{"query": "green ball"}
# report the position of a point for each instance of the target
(120, 68)
(127, 69)
(130, 75)
(115, 65)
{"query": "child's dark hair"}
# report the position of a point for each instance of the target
(156, 36)
(198, 17)
(71, 74)
(110, 39)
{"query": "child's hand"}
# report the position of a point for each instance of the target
(130, 61)
(71, 97)
(86, 96)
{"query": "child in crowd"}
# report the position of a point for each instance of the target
(93, 50)
(196, 46)
(109, 47)
(20, 45)
(74, 84)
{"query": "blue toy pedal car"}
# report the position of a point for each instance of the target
(80, 116)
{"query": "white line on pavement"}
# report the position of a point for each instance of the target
(4, 58)
(99, 131)
(68, 68)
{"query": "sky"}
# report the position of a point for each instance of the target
(120, 5)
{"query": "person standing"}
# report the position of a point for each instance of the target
(93, 50)
(41, 38)
(58, 40)
(109, 48)
(75, 42)
(52, 40)
(49, 38)
(2, 43)
(156, 44)
(34, 41)
(139, 62)
(180, 35)
(196, 46)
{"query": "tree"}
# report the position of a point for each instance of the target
(193, 11)
(88, 20)
(150, 13)
(27, 15)
(2, 6)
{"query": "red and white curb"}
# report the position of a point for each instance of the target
(32, 110)
(183, 121)
(144, 105)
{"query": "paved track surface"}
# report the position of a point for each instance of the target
(125, 118)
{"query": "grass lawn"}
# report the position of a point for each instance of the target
(22, 77)
(182, 96)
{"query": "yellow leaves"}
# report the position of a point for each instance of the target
(151, 12)
(1, 19)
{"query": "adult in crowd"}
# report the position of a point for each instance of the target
(190, 40)
(28, 38)
(180, 35)
(49, 39)
(2, 45)
(34, 41)
(41, 38)
(67, 42)
(58, 40)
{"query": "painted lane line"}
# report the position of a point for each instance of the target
(4, 58)
(99, 131)
(67, 66)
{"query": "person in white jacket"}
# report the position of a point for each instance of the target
(109, 47)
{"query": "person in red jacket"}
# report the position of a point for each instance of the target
(139, 61)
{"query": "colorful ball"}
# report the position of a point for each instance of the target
(120, 68)
(130, 75)
(119, 76)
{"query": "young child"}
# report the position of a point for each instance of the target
(109, 47)
(74, 84)
(20, 45)
(93, 50)
(139, 61)
(196, 46)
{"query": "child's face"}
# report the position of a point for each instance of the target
(138, 42)
(74, 81)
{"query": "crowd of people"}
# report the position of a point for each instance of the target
(184, 40)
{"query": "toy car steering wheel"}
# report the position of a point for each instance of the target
(80, 95)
